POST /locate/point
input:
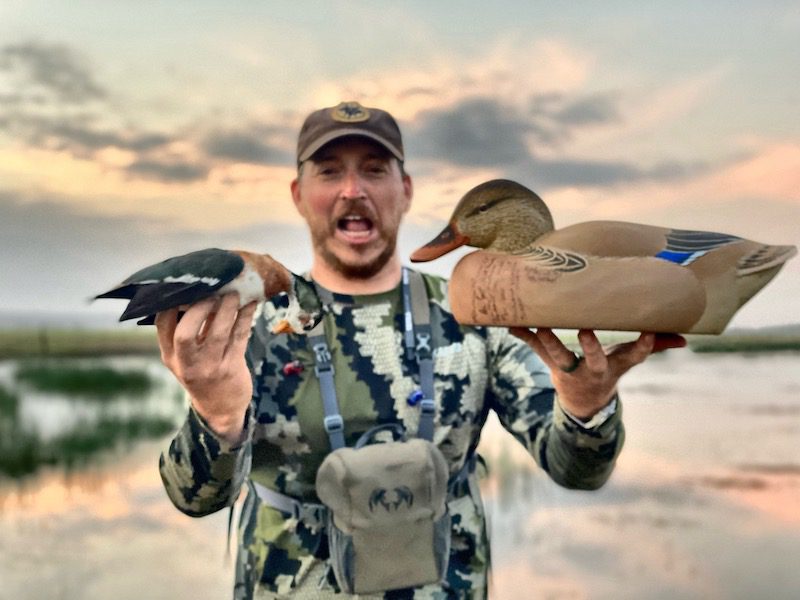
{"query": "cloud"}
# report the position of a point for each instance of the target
(586, 110)
(512, 68)
(476, 132)
(58, 256)
(249, 146)
(56, 105)
(54, 68)
(78, 134)
(528, 144)
(177, 171)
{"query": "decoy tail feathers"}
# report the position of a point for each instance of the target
(763, 258)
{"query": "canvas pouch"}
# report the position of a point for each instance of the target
(388, 524)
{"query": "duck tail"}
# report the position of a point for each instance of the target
(763, 258)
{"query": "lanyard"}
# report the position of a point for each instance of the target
(417, 341)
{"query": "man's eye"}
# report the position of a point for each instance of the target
(377, 169)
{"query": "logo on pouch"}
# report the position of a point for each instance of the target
(349, 112)
(390, 500)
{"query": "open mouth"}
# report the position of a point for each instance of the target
(355, 227)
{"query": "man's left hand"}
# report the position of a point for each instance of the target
(585, 384)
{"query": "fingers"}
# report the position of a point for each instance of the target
(530, 338)
(593, 351)
(547, 345)
(623, 357)
(240, 334)
(166, 322)
(665, 341)
(617, 360)
(203, 331)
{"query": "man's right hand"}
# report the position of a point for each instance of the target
(205, 351)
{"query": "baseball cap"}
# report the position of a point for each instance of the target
(348, 118)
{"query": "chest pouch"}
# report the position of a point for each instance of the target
(388, 525)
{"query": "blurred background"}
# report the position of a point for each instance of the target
(129, 133)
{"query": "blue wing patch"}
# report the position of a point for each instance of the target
(684, 246)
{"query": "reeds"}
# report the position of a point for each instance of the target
(23, 451)
(93, 381)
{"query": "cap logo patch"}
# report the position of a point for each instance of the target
(349, 112)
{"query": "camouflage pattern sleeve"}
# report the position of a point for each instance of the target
(525, 401)
(201, 472)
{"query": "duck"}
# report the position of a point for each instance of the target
(605, 275)
(182, 280)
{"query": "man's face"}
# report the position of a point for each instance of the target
(353, 195)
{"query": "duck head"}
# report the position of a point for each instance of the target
(303, 310)
(499, 215)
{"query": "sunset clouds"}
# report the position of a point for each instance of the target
(189, 139)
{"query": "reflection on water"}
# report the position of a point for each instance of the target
(705, 501)
(66, 411)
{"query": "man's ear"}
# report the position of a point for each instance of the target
(408, 191)
(295, 188)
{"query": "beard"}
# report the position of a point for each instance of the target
(356, 270)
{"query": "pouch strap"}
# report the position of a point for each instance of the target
(312, 514)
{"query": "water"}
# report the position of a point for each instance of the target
(704, 503)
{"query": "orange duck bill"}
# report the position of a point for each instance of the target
(449, 239)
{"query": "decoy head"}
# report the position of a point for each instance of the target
(498, 215)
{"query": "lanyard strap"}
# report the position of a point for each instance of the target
(417, 341)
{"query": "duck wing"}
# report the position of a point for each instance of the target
(178, 280)
(683, 246)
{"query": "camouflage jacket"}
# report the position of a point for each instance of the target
(475, 370)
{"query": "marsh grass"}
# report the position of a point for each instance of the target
(23, 450)
(745, 343)
(8, 403)
(23, 453)
(95, 382)
(32, 342)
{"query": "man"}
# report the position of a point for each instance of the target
(259, 418)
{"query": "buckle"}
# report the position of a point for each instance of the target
(424, 344)
(427, 406)
(321, 353)
(333, 423)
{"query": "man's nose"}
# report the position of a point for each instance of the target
(352, 185)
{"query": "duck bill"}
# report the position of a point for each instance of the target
(449, 239)
(282, 326)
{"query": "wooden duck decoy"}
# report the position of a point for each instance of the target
(183, 280)
(595, 275)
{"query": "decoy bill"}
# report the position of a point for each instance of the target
(186, 279)
(610, 275)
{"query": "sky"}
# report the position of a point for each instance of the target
(130, 132)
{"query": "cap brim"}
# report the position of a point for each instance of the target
(344, 132)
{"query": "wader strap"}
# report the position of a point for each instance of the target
(323, 368)
(417, 338)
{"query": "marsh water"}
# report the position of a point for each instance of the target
(704, 503)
